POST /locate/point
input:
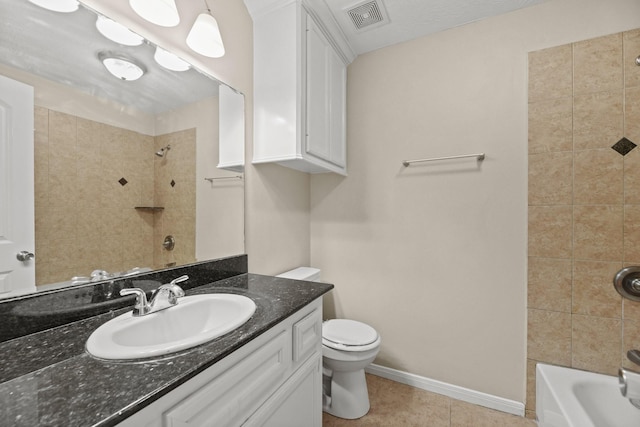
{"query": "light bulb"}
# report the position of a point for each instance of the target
(123, 68)
(204, 37)
(65, 6)
(170, 61)
(159, 12)
(117, 32)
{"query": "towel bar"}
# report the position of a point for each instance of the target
(479, 157)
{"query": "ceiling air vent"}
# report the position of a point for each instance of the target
(365, 15)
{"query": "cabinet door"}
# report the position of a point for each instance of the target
(337, 109)
(240, 390)
(326, 99)
(317, 117)
(297, 403)
(230, 129)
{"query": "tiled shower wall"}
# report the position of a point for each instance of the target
(89, 177)
(175, 190)
(584, 204)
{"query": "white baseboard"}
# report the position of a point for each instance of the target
(450, 390)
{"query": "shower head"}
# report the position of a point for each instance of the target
(163, 151)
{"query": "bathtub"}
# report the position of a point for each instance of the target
(568, 397)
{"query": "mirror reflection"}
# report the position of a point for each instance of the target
(122, 150)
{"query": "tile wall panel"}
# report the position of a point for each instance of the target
(551, 125)
(85, 216)
(597, 119)
(597, 64)
(584, 204)
(551, 77)
(631, 50)
(552, 171)
(549, 284)
(175, 190)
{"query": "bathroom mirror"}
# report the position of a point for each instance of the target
(125, 170)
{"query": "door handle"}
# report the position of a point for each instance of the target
(25, 256)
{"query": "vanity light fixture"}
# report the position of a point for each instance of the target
(159, 12)
(204, 37)
(121, 67)
(117, 32)
(64, 6)
(170, 61)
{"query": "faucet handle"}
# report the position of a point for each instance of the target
(170, 291)
(179, 279)
(634, 356)
(141, 307)
(168, 294)
(175, 291)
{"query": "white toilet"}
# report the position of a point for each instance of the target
(348, 347)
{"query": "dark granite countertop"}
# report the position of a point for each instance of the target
(48, 379)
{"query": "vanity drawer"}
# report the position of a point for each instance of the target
(307, 336)
(237, 392)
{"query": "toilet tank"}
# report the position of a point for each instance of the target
(302, 273)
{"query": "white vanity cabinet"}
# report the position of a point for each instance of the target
(274, 380)
(299, 87)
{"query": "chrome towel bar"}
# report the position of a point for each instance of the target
(223, 177)
(479, 157)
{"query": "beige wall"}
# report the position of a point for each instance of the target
(434, 256)
(583, 204)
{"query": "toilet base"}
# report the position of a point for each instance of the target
(349, 397)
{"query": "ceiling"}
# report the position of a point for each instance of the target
(409, 19)
(38, 40)
(64, 47)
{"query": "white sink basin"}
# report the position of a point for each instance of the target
(572, 398)
(194, 320)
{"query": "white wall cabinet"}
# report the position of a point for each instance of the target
(274, 380)
(299, 88)
(230, 129)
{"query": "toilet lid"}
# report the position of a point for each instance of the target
(348, 332)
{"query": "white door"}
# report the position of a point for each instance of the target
(16, 188)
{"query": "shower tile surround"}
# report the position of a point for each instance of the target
(89, 176)
(175, 190)
(584, 204)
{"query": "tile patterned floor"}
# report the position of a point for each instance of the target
(395, 404)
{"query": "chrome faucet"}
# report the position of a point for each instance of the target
(164, 297)
(629, 381)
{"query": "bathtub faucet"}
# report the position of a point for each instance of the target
(634, 356)
(629, 382)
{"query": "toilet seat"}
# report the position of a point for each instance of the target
(349, 335)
